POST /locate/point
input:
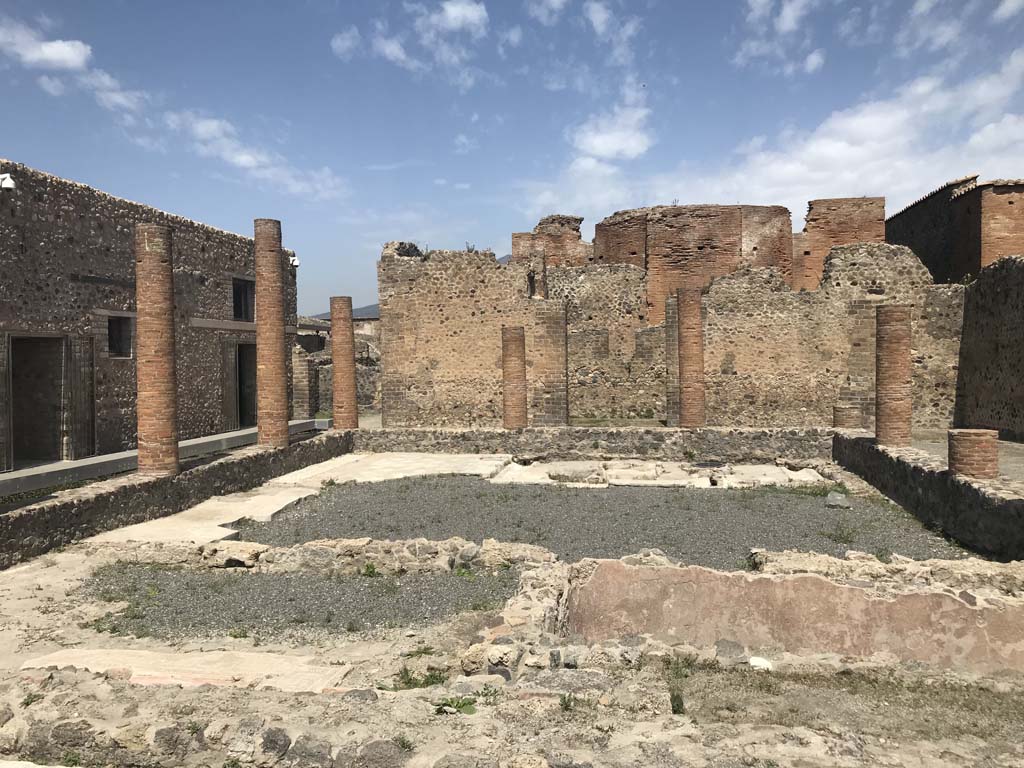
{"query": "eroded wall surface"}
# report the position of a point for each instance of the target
(67, 266)
(441, 319)
(776, 356)
(831, 222)
(990, 390)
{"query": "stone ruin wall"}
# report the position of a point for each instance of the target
(831, 222)
(67, 264)
(554, 242)
(990, 392)
(775, 356)
(441, 319)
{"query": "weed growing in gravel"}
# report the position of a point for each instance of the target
(456, 705)
(842, 532)
(30, 699)
(464, 573)
(567, 702)
(489, 694)
(406, 679)
(352, 625)
(238, 632)
(194, 728)
(70, 757)
(404, 743)
(232, 762)
(370, 571)
(328, 483)
(818, 489)
(422, 650)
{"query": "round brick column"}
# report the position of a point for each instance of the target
(846, 416)
(157, 399)
(513, 376)
(343, 362)
(974, 453)
(691, 359)
(892, 375)
(271, 363)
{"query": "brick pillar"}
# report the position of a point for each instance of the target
(847, 416)
(974, 453)
(892, 375)
(271, 362)
(513, 376)
(157, 398)
(691, 358)
(343, 361)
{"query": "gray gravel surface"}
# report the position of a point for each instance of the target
(175, 603)
(713, 527)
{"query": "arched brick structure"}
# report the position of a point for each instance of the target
(892, 375)
(513, 377)
(271, 363)
(157, 399)
(346, 412)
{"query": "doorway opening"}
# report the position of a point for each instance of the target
(246, 385)
(36, 400)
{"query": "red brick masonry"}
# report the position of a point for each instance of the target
(892, 375)
(346, 412)
(691, 359)
(157, 401)
(513, 376)
(271, 365)
(974, 452)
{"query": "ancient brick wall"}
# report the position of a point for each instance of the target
(774, 356)
(990, 390)
(832, 222)
(767, 239)
(66, 266)
(1002, 221)
(441, 319)
(616, 363)
(622, 238)
(555, 241)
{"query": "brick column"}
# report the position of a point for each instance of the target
(847, 416)
(691, 358)
(343, 361)
(892, 375)
(157, 394)
(513, 376)
(974, 453)
(271, 362)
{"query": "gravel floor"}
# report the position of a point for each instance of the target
(174, 603)
(714, 527)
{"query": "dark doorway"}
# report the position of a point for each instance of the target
(36, 377)
(246, 385)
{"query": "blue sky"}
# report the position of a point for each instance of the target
(455, 121)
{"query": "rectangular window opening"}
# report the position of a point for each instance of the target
(244, 292)
(119, 337)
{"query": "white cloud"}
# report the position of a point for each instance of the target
(860, 27)
(52, 85)
(612, 31)
(454, 16)
(758, 9)
(926, 132)
(546, 11)
(218, 138)
(109, 94)
(392, 49)
(27, 46)
(933, 25)
(345, 43)
(445, 35)
(465, 144)
(441, 182)
(619, 134)
(1007, 9)
(815, 60)
(509, 38)
(463, 185)
(791, 15)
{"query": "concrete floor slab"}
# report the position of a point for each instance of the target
(236, 669)
(375, 467)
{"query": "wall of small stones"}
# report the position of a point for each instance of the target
(986, 516)
(777, 356)
(990, 389)
(75, 514)
(735, 445)
(66, 265)
(441, 319)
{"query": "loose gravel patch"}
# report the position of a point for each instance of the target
(713, 527)
(175, 603)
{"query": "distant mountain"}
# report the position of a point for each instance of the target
(369, 312)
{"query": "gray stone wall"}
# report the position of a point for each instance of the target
(66, 265)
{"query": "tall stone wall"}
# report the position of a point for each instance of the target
(616, 363)
(555, 241)
(775, 356)
(832, 222)
(441, 319)
(1002, 221)
(66, 267)
(990, 389)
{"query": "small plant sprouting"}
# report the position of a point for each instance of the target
(370, 571)
(420, 650)
(461, 705)
(404, 743)
(406, 679)
(238, 632)
(194, 728)
(30, 699)
(567, 702)
(328, 483)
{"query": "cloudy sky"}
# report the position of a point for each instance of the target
(453, 121)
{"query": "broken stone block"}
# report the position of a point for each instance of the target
(838, 500)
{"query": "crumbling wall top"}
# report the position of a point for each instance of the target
(557, 224)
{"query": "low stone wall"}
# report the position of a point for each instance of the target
(987, 516)
(81, 512)
(568, 443)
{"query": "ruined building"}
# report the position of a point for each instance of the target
(962, 227)
(67, 321)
